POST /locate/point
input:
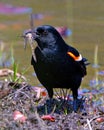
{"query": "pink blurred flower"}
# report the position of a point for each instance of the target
(17, 115)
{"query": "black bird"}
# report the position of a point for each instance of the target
(57, 65)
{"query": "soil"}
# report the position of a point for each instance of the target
(22, 97)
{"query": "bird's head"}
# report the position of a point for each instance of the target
(46, 36)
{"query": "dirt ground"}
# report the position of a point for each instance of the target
(22, 98)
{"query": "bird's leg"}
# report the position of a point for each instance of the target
(50, 92)
(75, 100)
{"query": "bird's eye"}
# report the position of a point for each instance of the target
(41, 31)
(45, 32)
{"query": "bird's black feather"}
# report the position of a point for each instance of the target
(54, 67)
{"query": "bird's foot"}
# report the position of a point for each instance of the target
(75, 105)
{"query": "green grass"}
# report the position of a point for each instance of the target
(85, 18)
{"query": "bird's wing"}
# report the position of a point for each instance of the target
(79, 60)
(75, 57)
(74, 54)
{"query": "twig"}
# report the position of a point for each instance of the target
(89, 121)
(53, 109)
(89, 125)
(25, 94)
(32, 49)
(19, 90)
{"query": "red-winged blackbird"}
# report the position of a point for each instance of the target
(57, 65)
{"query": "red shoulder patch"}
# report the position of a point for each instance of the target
(76, 58)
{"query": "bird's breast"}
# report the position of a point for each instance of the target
(53, 62)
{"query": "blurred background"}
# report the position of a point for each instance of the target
(80, 22)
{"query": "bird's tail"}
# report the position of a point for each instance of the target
(86, 61)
